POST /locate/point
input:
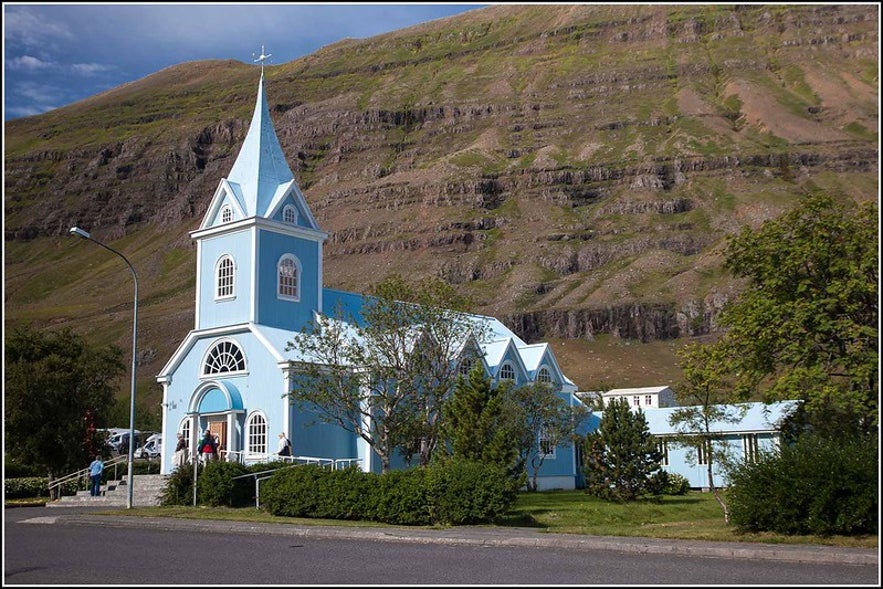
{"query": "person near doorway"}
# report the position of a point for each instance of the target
(95, 471)
(208, 447)
(180, 457)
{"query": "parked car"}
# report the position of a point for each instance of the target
(151, 449)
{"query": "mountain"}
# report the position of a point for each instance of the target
(575, 169)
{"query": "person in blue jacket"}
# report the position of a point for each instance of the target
(95, 470)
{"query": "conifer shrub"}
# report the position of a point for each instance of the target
(179, 487)
(816, 486)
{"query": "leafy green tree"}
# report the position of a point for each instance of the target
(477, 423)
(622, 455)
(542, 421)
(806, 326)
(704, 398)
(384, 374)
(58, 392)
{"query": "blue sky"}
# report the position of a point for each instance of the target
(57, 54)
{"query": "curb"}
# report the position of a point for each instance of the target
(521, 537)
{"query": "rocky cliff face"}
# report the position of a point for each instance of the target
(575, 169)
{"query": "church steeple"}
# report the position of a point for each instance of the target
(260, 171)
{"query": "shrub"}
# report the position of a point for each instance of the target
(21, 487)
(815, 486)
(215, 485)
(401, 497)
(293, 491)
(467, 492)
(179, 487)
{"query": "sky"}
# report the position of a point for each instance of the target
(57, 54)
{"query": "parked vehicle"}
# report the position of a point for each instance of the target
(120, 442)
(151, 449)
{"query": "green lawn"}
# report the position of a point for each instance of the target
(695, 516)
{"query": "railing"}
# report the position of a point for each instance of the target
(248, 458)
(259, 477)
(83, 474)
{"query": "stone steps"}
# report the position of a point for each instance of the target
(146, 492)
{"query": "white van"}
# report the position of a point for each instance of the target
(152, 448)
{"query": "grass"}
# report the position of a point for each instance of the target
(695, 516)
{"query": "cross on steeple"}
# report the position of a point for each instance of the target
(262, 58)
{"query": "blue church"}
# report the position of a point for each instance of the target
(258, 282)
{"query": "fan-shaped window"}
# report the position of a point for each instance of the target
(225, 273)
(223, 358)
(288, 278)
(543, 375)
(507, 372)
(226, 214)
(289, 214)
(256, 434)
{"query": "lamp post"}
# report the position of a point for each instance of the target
(130, 480)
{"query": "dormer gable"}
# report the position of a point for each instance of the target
(226, 199)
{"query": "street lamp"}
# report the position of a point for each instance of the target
(130, 481)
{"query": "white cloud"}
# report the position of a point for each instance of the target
(28, 62)
(90, 69)
(32, 30)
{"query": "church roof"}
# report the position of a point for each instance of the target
(260, 173)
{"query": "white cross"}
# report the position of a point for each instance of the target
(262, 58)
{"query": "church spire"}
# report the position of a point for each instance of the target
(260, 170)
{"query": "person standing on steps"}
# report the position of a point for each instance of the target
(208, 447)
(95, 471)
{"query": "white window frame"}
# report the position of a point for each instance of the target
(289, 214)
(280, 278)
(544, 375)
(226, 214)
(218, 356)
(255, 441)
(662, 447)
(546, 446)
(750, 447)
(225, 284)
(507, 368)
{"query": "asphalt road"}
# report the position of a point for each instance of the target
(78, 547)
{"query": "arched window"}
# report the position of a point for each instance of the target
(185, 429)
(223, 358)
(288, 278)
(507, 372)
(543, 375)
(289, 214)
(226, 214)
(256, 434)
(465, 366)
(225, 274)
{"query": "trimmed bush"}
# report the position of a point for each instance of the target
(453, 492)
(215, 485)
(466, 492)
(815, 486)
(401, 498)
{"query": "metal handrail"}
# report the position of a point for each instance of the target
(82, 473)
(334, 463)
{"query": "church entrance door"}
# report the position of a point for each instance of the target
(218, 427)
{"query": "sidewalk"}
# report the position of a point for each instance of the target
(492, 536)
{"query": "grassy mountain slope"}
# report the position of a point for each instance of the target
(575, 169)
